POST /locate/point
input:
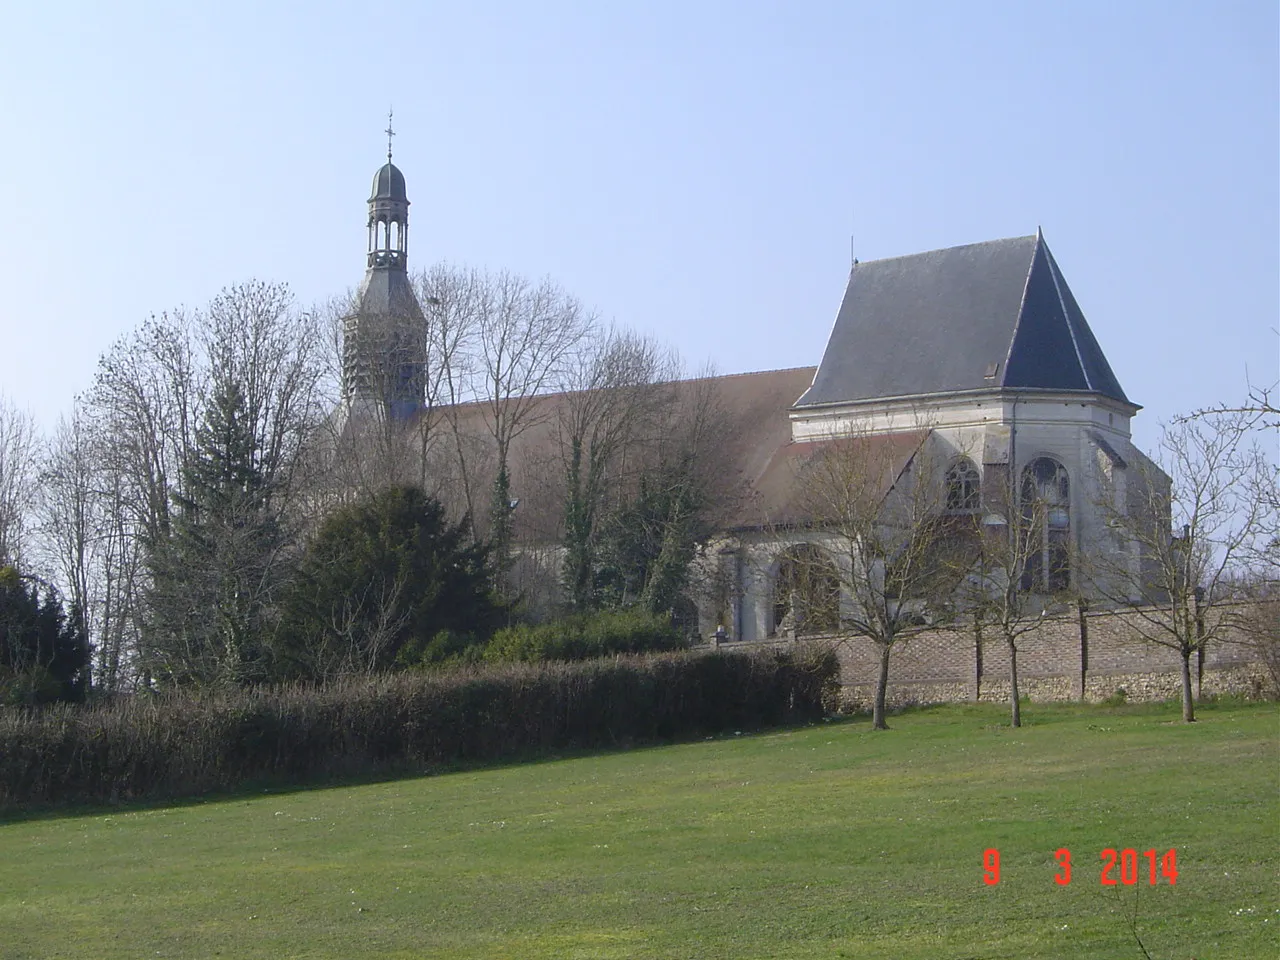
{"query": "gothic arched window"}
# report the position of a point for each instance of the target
(1046, 511)
(963, 490)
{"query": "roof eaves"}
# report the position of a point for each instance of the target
(998, 391)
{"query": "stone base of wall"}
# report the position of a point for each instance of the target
(857, 697)
(1246, 681)
(953, 665)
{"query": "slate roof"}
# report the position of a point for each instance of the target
(748, 452)
(757, 462)
(976, 317)
(777, 497)
(387, 292)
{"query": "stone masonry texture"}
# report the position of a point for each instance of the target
(944, 665)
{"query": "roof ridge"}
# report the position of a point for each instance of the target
(958, 246)
(746, 373)
(1022, 308)
(553, 394)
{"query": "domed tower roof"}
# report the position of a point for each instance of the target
(388, 184)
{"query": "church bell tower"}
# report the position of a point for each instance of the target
(384, 339)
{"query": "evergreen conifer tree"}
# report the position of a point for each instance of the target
(44, 656)
(216, 576)
(386, 582)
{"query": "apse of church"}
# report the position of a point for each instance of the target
(979, 361)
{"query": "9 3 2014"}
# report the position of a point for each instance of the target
(1125, 867)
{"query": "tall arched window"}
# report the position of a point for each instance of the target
(963, 491)
(1046, 510)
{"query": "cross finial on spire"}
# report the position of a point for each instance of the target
(390, 133)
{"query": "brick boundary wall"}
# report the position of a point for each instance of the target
(942, 665)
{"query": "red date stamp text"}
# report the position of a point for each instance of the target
(1124, 867)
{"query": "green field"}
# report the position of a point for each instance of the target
(824, 841)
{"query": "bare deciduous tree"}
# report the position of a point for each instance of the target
(453, 299)
(145, 401)
(68, 517)
(527, 336)
(672, 490)
(117, 611)
(19, 452)
(90, 544)
(254, 338)
(138, 420)
(1259, 408)
(618, 392)
(998, 588)
(1175, 579)
(689, 472)
(362, 629)
(876, 505)
(151, 394)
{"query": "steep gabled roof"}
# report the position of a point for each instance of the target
(976, 317)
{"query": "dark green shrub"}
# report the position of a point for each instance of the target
(584, 637)
(445, 646)
(386, 582)
(183, 745)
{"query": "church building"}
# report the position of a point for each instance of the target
(977, 358)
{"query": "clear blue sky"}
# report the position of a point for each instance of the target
(690, 169)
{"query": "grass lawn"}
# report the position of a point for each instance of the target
(824, 841)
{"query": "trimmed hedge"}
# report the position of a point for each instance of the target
(167, 747)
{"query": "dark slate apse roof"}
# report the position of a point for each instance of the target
(976, 317)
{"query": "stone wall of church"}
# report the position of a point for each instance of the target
(945, 665)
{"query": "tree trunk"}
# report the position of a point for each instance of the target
(977, 658)
(882, 687)
(1014, 706)
(1188, 704)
